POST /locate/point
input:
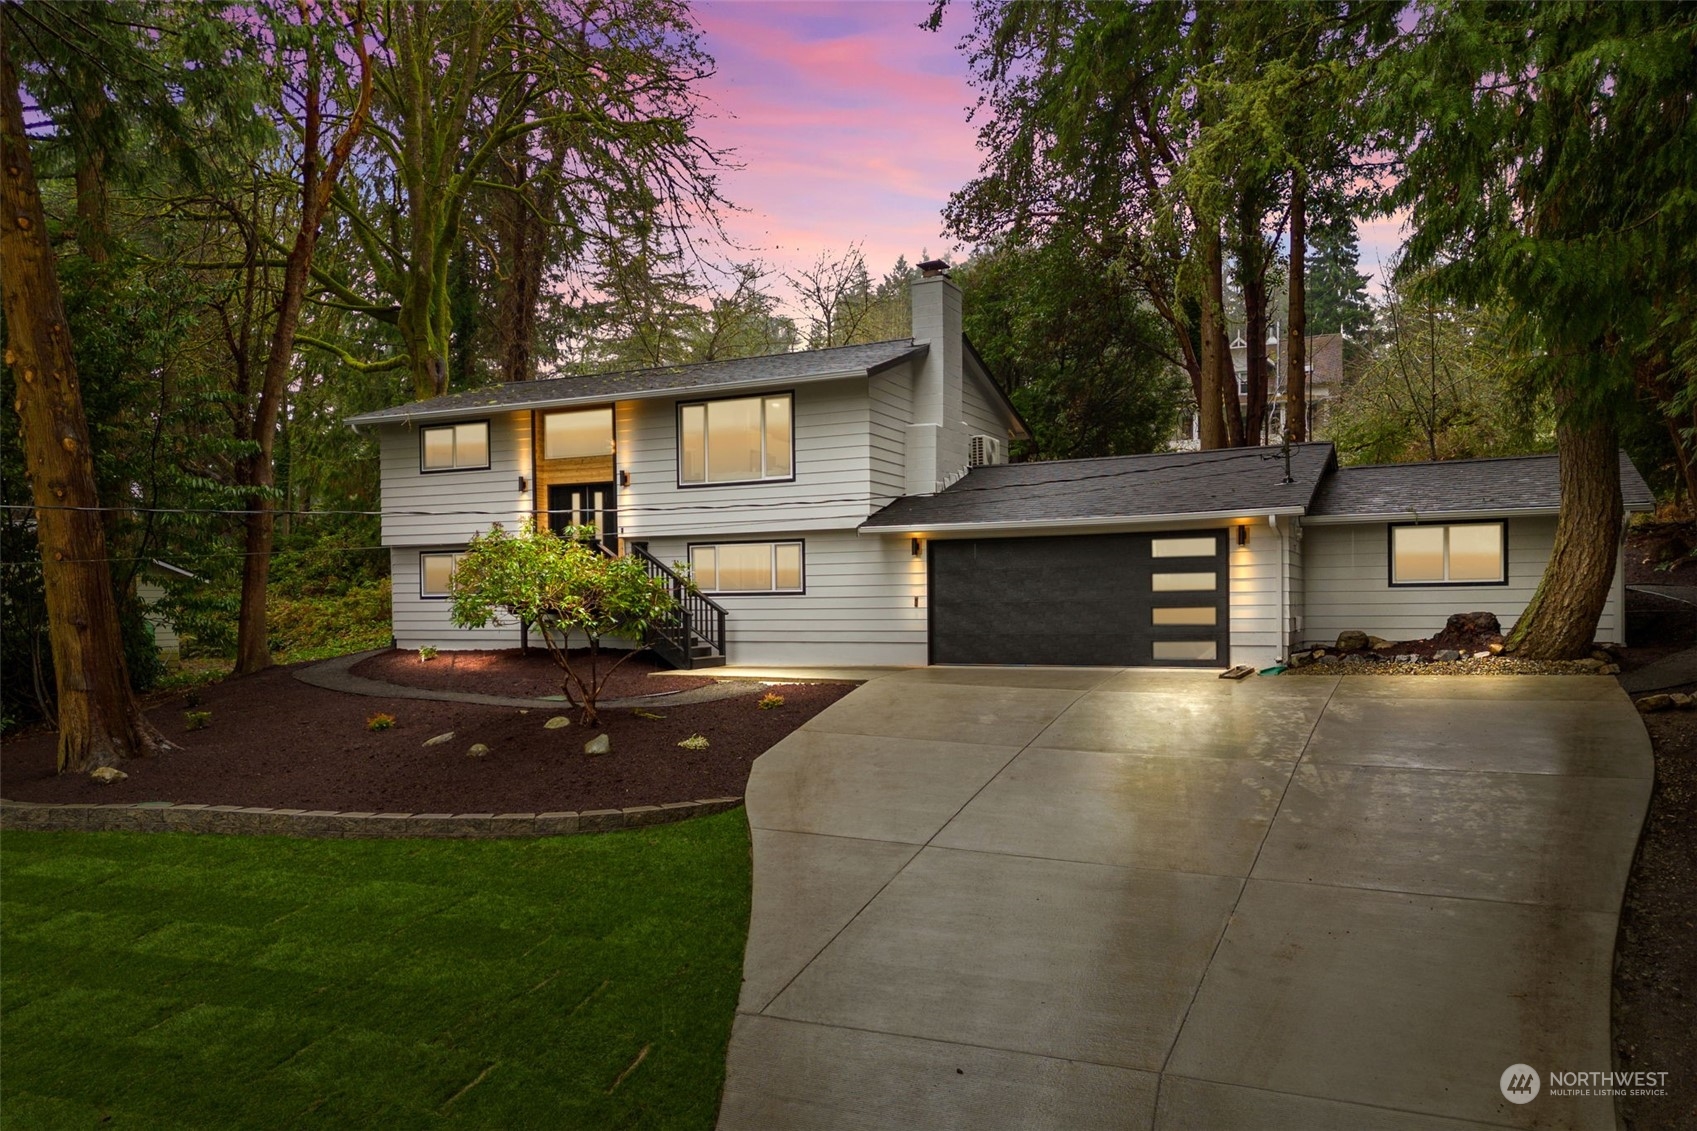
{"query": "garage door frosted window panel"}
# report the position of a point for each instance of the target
(1183, 547)
(735, 441)
(747, 567)
(1197, 615)
(1184, 650)
(436, 574)
(1462, 554)
(455, 447)
(1181, 582)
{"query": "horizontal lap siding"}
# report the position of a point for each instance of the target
(832, 471)
(1297, 591)
(492, 495)
(982, 417)
(891, 396)
(858, 608)
(420, 621)
(1254, 571)
(1347, 585)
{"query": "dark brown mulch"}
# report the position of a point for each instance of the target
(1655, 986)
(510, 672)
(275, 741)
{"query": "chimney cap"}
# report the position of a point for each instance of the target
(931, 268)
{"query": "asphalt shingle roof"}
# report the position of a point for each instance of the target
(1231, 481)
(1459, 486)
(803, 365)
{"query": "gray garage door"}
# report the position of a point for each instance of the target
(1096, 599)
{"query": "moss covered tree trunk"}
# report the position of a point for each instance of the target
(1561, 619)
(99, 720)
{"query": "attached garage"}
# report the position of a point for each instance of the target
(1116, 600)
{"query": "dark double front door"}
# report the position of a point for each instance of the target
(1117, 600)
(586, 504)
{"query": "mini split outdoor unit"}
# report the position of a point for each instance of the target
(985, 450)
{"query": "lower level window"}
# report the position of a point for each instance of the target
(1468, 553)
(436, 574)
(747, 567)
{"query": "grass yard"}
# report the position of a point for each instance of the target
(166, 980)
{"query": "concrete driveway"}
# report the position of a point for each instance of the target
(1085, 898)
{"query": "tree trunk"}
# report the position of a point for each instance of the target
(99, 720)
(1296, 333)
(318, 179)
(1255, 352)
(1212, 429)
(94, 227)
(1561, 619)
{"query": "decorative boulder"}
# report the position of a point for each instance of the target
(1683, 701)
(440, 739)
(600, 744)
(1446, 654)
(1469, 632)
(477, 750)
(1379, 643)
(556, 723)
(106, 775)
(1655, 703)
(1352, 640)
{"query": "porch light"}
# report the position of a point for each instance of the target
(523, 486)
(918, 547)
(624, 477)
(1242, 535)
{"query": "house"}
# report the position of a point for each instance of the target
(852, 506)
(1325, 360)
(150, 592)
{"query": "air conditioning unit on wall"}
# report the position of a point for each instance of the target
(985, 451)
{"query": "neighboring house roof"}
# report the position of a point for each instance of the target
(1084, 492)
(1514, 485)
(169, 568)
(637, 384)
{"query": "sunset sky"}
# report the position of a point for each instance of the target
(851, 124)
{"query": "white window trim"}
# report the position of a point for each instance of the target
(456, 555)
(1446, 583)
(762, 398)
(801, 545)
(488, 448)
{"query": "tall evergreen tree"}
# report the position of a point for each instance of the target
(1337, 290)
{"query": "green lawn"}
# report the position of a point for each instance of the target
(166, 980)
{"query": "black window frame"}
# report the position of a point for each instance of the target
(1390, 555)
(678, 437)
(801, 543)
(488, 446)
(422, 554)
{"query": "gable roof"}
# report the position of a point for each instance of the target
(1083, 492)
(1517, 484)
(638, 384)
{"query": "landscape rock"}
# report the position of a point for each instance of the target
(1590, 664)
(1468, 632)
(1683, 701)
(1352, 640)
(1325, 659)
(106, 775)
(1655, 703)
(440, 739)
(1379, 643)
(1601, 656)
(1446, 654)
(477, 750)
(1483, 655)
(1318, 653)
(600, 744)
(1408, 658)
(1611, 669)
(1496, 649)
(556, 723)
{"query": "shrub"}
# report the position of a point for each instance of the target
(380, 721)
(694, 742)
(770, 701)
(196, 720)
(427, 653)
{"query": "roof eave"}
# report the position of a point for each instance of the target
(1085, 522)
(461, 412)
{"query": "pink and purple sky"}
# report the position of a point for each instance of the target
(851, 125)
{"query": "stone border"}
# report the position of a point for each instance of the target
(163, 816)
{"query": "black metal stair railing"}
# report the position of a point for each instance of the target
(694, 635)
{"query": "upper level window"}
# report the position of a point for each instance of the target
(736, 441)
(1458, 554)
(578, 433)
(454, 447)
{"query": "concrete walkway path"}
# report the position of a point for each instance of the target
(336, 675)
(1063, 898)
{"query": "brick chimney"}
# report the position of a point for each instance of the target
(936, 442)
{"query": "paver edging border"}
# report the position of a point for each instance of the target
(241, 820)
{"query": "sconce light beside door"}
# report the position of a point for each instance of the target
(1243, 534)
(918, 547)
(624, 477)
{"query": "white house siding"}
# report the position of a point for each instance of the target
(1296, 590)
(860, 605)
(1257, 577)
(831, 488)
(150, 593)
(420, 621)
(1347, 572)
(891, 396)
(459, 503)
(982, 416)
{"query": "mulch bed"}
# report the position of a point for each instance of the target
(510, 672)
(275, 741)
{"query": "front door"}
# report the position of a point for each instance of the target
(586, 504)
